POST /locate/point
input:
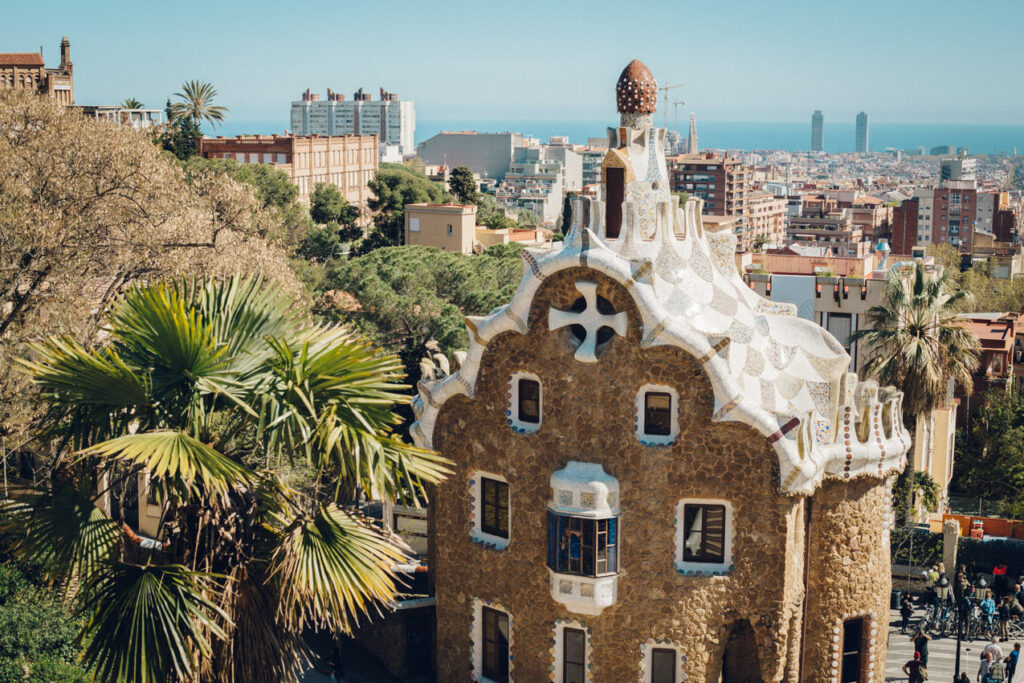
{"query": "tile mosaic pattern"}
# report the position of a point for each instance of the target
(777, 368)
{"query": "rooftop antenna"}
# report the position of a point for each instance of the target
(665, 89)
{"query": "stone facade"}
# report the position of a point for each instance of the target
(26, 70)
(784, 453)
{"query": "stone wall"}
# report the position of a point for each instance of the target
(588, 415)
(848, 575)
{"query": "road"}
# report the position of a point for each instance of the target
(941, 653)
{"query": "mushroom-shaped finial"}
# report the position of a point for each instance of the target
(637, 91)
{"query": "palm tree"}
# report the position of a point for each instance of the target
(256, 435)
(919, 344)
(197, 104)
(132, 103)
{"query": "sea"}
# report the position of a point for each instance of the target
(791, 136)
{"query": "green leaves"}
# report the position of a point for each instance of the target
(918, 342)
(149, 622)
(179, 458)
(60, 530)
(331, 568)
(197, 383)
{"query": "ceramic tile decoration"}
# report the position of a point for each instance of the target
(686, 292)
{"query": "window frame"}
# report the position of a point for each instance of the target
(501, 501)
(598, 538)
(533, 419)
(476, 494)
(664, 425)
(861, 655)
(501, 674)
(716, 565)
(582, 663)
(641, 414)
(513, 418)
(672, 668)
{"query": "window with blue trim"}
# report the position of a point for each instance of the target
(582, 546)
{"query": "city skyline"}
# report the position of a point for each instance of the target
(261, 60)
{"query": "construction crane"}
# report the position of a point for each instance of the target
(677, 104)
(665, 89)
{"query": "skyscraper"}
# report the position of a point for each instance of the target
(862, 133)
(818, 131)
(691, 142)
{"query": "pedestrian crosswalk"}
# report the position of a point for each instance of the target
(941, 653)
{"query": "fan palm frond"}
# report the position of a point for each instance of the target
(178, 458)
(148, 622)
(332, 568)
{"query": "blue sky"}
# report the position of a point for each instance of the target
(900, 60)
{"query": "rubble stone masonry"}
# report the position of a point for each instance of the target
(588, 415)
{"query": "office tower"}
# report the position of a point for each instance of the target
(862, 133)
(818, 132)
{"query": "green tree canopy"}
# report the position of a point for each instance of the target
(393, 187)
(409, 295)
(991, 462)
(328, 204)
(273, 187)
(214, 391)
(132, 103)
(463, 185)
(918, 342)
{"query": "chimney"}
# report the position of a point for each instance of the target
(65, 54)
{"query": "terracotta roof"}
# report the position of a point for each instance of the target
(21, 59)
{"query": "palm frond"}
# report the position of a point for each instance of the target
(179, 458)
(331, 569)
(61, 530)
(149, 624)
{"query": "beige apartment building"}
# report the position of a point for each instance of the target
(766, 221)
(451, 227)
(349, 162)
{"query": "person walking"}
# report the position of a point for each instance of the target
(1004, 617)
(988, 609)
(906, 611)
(915, 670)
(921, 639)
(1011, 661)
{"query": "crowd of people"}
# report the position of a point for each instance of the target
(1002, 602)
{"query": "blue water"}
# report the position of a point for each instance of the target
(781, 135)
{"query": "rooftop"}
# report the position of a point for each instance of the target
(21, 59)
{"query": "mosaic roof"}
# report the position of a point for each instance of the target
(782, 375)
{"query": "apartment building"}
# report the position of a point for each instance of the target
(349, 162)
(722, 182)
(393, 121)
(766, 221)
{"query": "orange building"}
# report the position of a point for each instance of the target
(348, 162)
(28, 71)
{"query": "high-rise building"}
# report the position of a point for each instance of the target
(391, 120)
(691, 142)
(818, 131)
(862, 133)
(27, 70)
(489, 155)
